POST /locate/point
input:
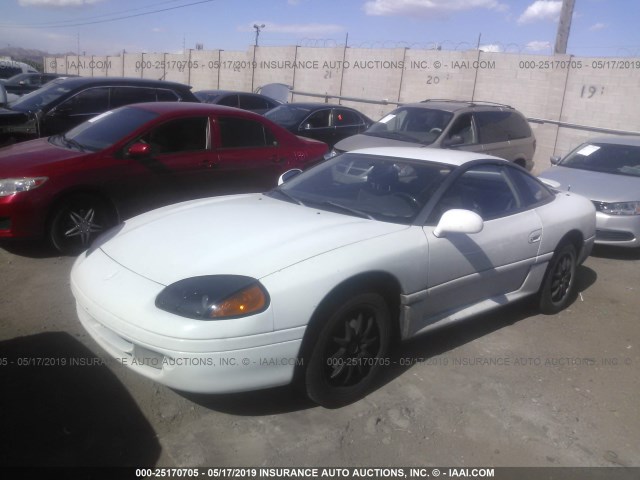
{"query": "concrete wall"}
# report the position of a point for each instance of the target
(595, 92)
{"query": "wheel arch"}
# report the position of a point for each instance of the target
(381, 282)
(574, 237)
(79, 190)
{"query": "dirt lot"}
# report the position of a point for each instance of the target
(512, 388)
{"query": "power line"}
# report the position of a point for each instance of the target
(107, 20)
(91, 17)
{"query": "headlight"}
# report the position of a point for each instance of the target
(9, 186)
(618, 208)
(214, 297)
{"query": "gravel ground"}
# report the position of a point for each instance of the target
(511, 388)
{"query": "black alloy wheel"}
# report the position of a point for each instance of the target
(557, 289)
(349, 352)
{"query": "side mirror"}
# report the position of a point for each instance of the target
(139, 150)
(458, 221)
(452, 141)
(288, 175)
(555, 160)
(60, 111)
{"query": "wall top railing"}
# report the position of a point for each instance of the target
(575, 126)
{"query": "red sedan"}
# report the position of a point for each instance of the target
(71, 187)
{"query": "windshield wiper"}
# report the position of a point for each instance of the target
(359, 213)
(73, 143)
(288, 196)
(392, 135)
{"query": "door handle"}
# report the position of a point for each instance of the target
(535, 236)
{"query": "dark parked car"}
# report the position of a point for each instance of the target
(64, 103)
(322, 121)
(28, 82)
(253, 102)
(73, 186)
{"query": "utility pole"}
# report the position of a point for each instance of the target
(564, 25)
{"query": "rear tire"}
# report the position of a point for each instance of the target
(349, 351)
(558, 287)
(77, 220)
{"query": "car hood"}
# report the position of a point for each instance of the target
(11, 117)
(252, 235)
(19, 158)
(360, 140)
(598, 186)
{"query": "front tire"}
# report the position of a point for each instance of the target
(558, 287)
(348, 351)
(76, 221)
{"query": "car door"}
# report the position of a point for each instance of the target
(318, 125)
(75, 110)
(346, 123)
(249, 158)
(176, 167)
(465, 269)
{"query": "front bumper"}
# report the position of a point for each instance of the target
(618, 230)
(116, 307)
(22, 215)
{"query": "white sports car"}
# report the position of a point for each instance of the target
(310, 281)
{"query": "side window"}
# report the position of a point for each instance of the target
(242, 132)
(33, 80)
(90, 101)
(180, 135)
(485, 190)
(164, 95)
(126, 95)
(345, 118)
(492, 126)
(531, 191)
(319, 119)
(229, 101)
(249, 102)
(7, 72)
(464, 128)
(517, 127)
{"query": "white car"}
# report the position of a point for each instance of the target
(309, 282)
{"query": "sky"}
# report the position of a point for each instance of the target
(107, 27)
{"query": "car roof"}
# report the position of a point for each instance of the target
(75, 82)
(455, 105)
(315, 105)
(227, 92)
(449, 157)
(632, 140)
(181, 107)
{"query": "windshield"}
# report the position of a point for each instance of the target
(382, 188)
(287, 115)
(104, 130)
(40, 98)
(605, 158)
(411, 124)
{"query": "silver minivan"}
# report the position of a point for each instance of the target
(482, 127)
